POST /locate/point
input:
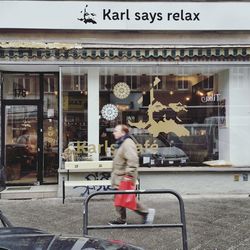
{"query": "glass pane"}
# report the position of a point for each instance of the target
(50, 128)
(191, 114)
(21, 144)
(21, 86)
(75, 116)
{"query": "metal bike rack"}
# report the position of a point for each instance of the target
(181, 225)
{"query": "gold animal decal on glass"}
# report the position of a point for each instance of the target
(166, 125)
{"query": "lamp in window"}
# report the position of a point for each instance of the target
(26, 124)
(199, 93)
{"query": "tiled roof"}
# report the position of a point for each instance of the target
(74, 52)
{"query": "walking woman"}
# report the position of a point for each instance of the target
(125, 166)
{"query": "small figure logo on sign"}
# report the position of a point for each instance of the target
(87, 17)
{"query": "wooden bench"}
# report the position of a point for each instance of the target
(87, 167)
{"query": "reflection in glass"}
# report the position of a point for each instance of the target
(174, 109)
(50, 128)
(21, 86)
(75, 115)
(21, 144)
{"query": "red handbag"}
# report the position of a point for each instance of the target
(126, 200)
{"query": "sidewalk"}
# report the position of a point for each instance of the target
(213, 222)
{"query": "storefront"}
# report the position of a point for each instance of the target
(177, 76)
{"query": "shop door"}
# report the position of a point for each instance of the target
(22, 149)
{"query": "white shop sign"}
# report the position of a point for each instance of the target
(81, 15)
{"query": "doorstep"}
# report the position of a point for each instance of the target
(29, 192)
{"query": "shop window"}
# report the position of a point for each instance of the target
(107, 82)
(49, 84)
(182, 84)
(179, 115)
(75, 83)
(74, 109)
(208, 83)
(21, 86)
(169, 119)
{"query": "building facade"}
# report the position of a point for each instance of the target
(179, 77)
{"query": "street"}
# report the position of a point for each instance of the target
(213, 222)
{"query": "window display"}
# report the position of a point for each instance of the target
(171, 111)
(179, 115)
(74, 89)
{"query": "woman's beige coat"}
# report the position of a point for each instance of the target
(126, 162)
